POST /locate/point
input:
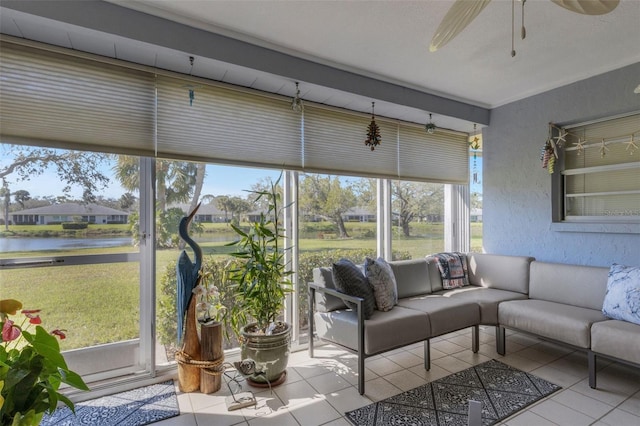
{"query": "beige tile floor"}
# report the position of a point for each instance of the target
(318, 391)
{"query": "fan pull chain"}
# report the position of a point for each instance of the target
(513, 48)
(523, 32)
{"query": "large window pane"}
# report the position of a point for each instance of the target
(337, 218)
(223, 193)
(418, 218)
(67, 248)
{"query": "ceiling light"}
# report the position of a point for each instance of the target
(430, 127)
(296, 104)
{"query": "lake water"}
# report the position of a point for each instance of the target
(30, 244)
(33, 244)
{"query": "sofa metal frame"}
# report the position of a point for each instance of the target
(475, 332)
(591, 355)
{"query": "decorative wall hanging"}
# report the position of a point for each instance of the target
(373, 132)
(474, 144)
(550, 149)
(296, 103)
(430, 127)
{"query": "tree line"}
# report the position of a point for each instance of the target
(321, 197)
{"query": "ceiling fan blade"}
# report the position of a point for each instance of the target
(460, 15)
(588, 7)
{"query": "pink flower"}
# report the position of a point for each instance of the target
(9, 331)
(30, 313)
(59, 333)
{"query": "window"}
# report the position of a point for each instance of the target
(139, 124)
(600, 178)
(417, 211)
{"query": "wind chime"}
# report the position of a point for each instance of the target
(373, 131)
(474, 144)
(191, 87)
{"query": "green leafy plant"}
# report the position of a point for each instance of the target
(31, 368)
(261, 280)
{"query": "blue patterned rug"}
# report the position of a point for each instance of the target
(502, 389)
(136, 407)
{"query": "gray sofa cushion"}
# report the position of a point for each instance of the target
(412, 277)
(486, 298)
(349, 279)
(619, 339)
(382, 332)
(558, 321)
(445, 314)
(576, 285)
(498, 271)
(324, 278)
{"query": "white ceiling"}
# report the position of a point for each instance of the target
(390, 39)
(385, 40)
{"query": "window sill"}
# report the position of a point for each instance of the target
(603, 228)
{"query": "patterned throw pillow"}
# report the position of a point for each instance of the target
(349, 279)
(622, 300)
(383, 281)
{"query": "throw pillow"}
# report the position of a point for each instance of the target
(349, 279)
(622, 299)
(383, 282)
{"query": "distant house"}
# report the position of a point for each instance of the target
(69, 212)
(207, 213)
(476, 215)
(359, 214)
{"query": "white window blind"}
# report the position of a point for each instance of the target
(602, 180)
(57, 100)
(224, 125)
(334, 144)
(440, 157)
(54, 99)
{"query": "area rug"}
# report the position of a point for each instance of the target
(503, 390)
(136, 407)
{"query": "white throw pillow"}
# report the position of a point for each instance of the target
(622, 300)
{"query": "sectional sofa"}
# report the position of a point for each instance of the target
(558, 302)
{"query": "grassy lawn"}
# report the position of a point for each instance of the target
(100, 303)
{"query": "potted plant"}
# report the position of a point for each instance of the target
(31, 368)
(261, 282)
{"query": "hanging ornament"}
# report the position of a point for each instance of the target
(580, 145)
(373, 131)
(561, 138)
(603, 149)
(474, 144)
(631, 146)
(548, 156)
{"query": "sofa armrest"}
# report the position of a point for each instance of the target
(360, 331)
(345, 297)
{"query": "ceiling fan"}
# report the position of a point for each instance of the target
(462, 12)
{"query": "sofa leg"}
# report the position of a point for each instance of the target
(427, 355)
(501, 340)
(475, 339)
(592, 369)
(361, 373)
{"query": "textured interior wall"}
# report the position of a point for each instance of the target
(517, 191)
